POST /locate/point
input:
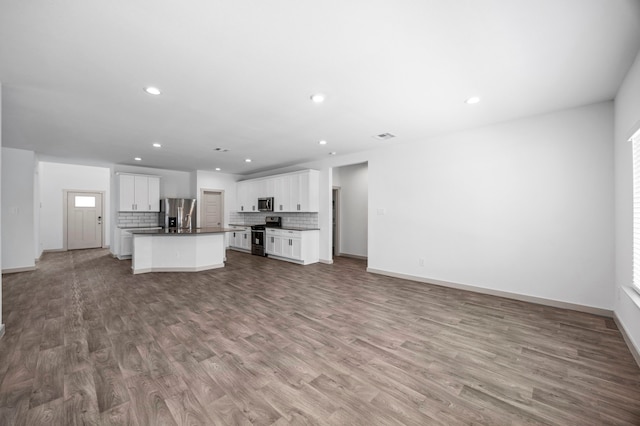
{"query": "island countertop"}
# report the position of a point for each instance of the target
(179, 231)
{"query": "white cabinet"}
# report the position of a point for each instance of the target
(274, 243)
(295, 246)
(125, 242)
(247, 200)
(240, 238)
(305, 194)
(291, 192)
(154, 194)
(282, 194)
(138, 193)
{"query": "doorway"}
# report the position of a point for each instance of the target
(335, 218)
(84, 224)
(212, 210)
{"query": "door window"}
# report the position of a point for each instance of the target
(84, 201)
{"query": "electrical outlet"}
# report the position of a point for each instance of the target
(421, 262)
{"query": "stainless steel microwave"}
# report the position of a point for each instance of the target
(265, 204)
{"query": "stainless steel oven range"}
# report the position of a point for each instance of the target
(258, 234)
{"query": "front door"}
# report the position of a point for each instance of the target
(211, 209)
(84, 220)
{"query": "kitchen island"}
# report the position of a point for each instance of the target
(178, 250)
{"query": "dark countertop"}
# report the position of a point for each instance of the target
(286, 228)
(177, 232)
(292, 228)
(140, 227)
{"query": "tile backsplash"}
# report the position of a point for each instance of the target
(137, 219)
(297, 220)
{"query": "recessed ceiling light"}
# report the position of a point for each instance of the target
(138, 159)
(332, 153)
(217, 169)
(472, 100)
(247, 160)
(152, 90)
(317, 98)
(323, 142)
(157, 145)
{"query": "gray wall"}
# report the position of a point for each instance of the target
(627, 105)
(18, 239)
(353, 208)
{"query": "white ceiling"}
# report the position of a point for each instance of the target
(238, 74)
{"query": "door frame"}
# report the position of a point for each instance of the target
(335, 195)
(65, 200)
(201, 208)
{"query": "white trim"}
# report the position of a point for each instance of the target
(15, 270)
(178, 269)
(336, 243)
(201, 214)
(515, 296)
(287, 259)
(326, 261)
(627, 339)
(353, 256)
(241, 250)
(65, 200)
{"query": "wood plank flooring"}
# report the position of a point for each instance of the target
(265, 342)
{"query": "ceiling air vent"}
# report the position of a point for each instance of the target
(384, 136)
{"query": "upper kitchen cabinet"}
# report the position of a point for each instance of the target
(244, 196)
(281, 194)
(291, 192)
(305, 194)
(138, 193)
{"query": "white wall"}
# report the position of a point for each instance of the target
(521, 207)
(627, 121)
(353, 208)
(1, 323)
(54, 179)
(18, 239)
(206, 180)
(36, 209)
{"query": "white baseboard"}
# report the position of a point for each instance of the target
(627, 339)
(515, 296)
(353, 256)
(15, 270)
(178, 269)
(326, 261)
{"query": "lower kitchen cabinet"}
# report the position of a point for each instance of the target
(294, 246)
(240, 239)
(125, 240)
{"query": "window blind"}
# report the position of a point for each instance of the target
(635, 141)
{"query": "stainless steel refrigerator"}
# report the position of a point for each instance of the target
(179, 212)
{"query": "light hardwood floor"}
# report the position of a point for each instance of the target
(267, 342)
